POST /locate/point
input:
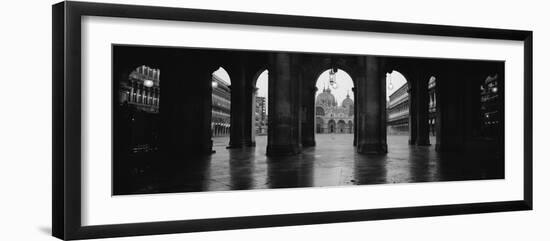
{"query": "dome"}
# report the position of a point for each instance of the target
(348, 102)
(326, 98)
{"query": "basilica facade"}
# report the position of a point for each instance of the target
(330, 117)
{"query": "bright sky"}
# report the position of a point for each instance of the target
(342, 79)
(220, 72)
(261, 84)
(397, 80)
(344, 82)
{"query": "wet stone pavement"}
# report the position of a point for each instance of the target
(333, 162)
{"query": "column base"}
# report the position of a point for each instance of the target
(372, 148)
(208, 150)
(282, 150)
(423, 142)
(242, 144)
(307, 143)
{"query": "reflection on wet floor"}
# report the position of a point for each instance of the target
(333, 162)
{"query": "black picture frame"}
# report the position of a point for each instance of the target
(66, 47)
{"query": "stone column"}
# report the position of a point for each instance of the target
(186, 118)
(236, 137)
(205, 78)
(354, 116)
(438, 113)
(253, 117)
(422, 110)
(284, 113)
(450, 109)
(501, 77)
(249, 118)
(241, 105)
(308, 120)
(371, 107)
(472, 103)
(412, 113)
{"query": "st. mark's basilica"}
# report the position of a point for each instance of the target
(331, 117)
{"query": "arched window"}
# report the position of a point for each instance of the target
(331, 126)
(341, 126)
(319, 111)
(319, 123)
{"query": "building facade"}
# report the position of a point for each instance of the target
(331, 117)
(221, 107)
(139, 104)
(261, 115)
(398, 110)
(490, 107)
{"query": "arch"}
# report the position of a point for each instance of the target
(259, 75)
(319, 111)
(319, 125)
(395, 80)
(319, 65)
(331, 126)
(343, 79)
(222, 74)
(328, 96)
(398, 105)
(260, 99)
(329, 100)
(342, 127)
(221, 101)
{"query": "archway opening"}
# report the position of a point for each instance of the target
(136, 127)
(139, 103)
(397, 109)
(334, 106)
(220, 125)
(260, 110)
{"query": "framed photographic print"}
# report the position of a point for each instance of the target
(170, 120)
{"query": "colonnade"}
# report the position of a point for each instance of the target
(186, 116)
(220, 130)
(457, 94)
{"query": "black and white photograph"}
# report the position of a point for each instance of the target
(274, 120)
(204, 119)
